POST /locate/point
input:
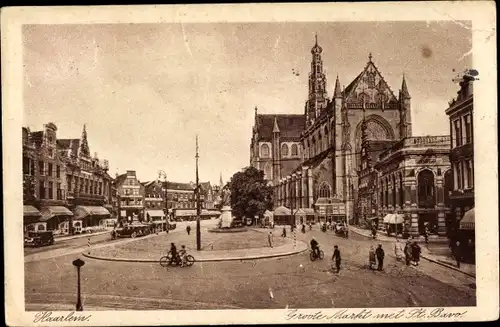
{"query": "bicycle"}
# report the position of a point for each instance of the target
(166, 261)
(313, 255)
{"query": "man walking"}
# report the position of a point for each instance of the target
(270, 239)
(379, 252)
(188, 229)
(336, 257)
(416, 250)
(456, 252)
(408, 253)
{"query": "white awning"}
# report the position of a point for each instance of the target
(468, 220)
(185, 213)
(394, 219)
(155, 213)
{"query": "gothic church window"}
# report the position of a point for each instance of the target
(264, 151)
(295, 150)
(324, 190)
(284, 150)
(370, 79)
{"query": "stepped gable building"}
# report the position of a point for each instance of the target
(88, 182)
(44, 182)
(327, 177)
(275, 146)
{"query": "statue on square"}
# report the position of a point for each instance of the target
(226, 217)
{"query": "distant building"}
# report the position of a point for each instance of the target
(130, 197)
(460, 113)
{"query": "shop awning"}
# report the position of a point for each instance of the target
(85, 211)
(282, 211)
(54, 211)
(185, 213)
(299, 212)
(155, 213)
(30, 211)
(210, 213)
(468, 221)
(393, 218)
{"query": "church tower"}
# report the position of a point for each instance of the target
(317, 100)
(276, 153)
(404, 111)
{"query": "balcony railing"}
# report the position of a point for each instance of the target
(417, 142)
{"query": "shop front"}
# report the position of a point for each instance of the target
(31, 215)
(53, 216)
(157, 219)
(466, 236)
(90, 216)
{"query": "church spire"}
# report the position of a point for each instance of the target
(84, 132)
(404, 89)
(276, 129)
(317, 100)
(337, 93)
(221, 183)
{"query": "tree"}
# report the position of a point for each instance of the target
(250, 193)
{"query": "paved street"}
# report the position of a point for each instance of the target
(249, 283)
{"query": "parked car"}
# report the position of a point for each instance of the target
(172, 226)
(133, 231)
(37, 239)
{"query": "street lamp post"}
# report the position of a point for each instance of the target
(198, 209)
(78, 263)
(163, 174)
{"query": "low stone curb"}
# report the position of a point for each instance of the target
(427, 258)
(254, 257)
(448, 266)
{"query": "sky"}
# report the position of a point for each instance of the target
(145, 91)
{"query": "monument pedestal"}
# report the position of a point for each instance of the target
(226, 217)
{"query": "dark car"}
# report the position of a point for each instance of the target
(172, 226)
(133, 231)
(37, 239)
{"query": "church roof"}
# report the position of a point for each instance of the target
(352, 86)
(314, 161)
(290, 126)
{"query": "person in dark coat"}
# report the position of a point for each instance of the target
(284, 232)
(416, 250)
(188, 229)
(336, 257)
(408, 253)
(456, 252)
(379, 252)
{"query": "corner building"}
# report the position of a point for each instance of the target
(326, 176)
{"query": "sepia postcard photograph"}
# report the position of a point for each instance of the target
(251, 163)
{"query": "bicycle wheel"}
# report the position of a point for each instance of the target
(189, 260)
(321, 254)
(312, 256)
(164, 261)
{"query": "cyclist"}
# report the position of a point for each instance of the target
(173, 252)
(182, 255)
(315, 247)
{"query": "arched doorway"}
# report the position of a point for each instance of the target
(426, 195)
